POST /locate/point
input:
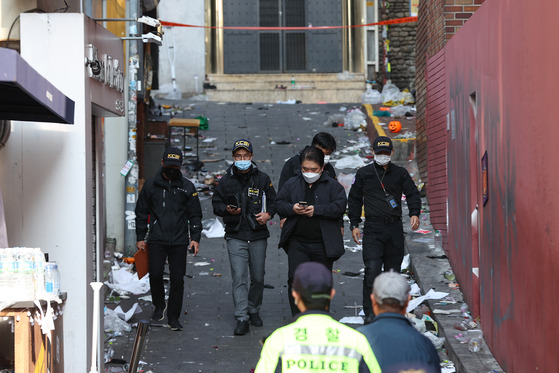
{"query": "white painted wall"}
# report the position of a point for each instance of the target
(116, 155)
(189, 44)
(46, 170)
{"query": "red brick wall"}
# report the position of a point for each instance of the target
(438, 21)
(437, 132)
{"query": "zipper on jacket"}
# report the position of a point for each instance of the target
(164, 192)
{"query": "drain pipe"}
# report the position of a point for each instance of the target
(176, 94)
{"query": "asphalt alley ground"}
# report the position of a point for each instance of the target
(207, 343)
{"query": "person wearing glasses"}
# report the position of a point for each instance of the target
(245, 198)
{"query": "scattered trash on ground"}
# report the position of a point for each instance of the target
(352, 161)
(215, 230)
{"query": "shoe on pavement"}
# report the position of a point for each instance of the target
(242, 327)
(159, 313)
(175, 325)
(255, 319)
(368, 319)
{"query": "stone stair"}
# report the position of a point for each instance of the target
(308, 88)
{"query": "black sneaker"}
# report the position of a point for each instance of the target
(159, 313)
(175, 325)
(368, 319)
(255, 319)
(242, 327)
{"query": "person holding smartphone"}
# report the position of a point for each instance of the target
(313, 204)
(245, 199)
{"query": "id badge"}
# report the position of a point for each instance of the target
(391, 201)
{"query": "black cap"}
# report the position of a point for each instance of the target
(313, 279)
(172, 157)
(382, 144)
(242, 144)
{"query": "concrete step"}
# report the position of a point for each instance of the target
(308, 88)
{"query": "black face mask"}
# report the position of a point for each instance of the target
(172, 173)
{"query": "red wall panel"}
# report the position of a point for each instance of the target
(503, 56)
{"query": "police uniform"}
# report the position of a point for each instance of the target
(315, 342)
(380, 191)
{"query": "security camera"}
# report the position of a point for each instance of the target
(149, 21)
(95, 67)
(92, 60)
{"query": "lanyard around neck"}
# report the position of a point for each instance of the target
(379, 179)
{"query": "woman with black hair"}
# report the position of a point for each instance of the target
(314, 204)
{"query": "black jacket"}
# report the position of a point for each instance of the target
(367, 189)
(172, 206)
(329, 207)
(292, 167)
(248, 189)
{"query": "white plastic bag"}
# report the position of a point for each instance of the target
(354, 119)
(370, 96)
(352, 161)
(115, 323)
(216, 230)
(391, 95)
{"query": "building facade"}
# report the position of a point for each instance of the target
(489, 169)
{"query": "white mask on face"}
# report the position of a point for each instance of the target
(382, 159)
(326, 159)
(311, 177)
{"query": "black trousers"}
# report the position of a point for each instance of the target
(383, 245)
(176, 255)
(300, 252)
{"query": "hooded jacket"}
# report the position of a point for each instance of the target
(329, 207)
(172, 207)
(248, 190)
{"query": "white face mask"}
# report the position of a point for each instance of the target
(311, 177)
(326, 159)
(382, 159)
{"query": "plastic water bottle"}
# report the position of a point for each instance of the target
(39, 273)
(292, 81)
(52, 279)
(438, 243)
(7, 274)
(4, 286)
(474, 345)
(24, 278)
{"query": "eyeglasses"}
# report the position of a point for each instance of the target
(242, 157)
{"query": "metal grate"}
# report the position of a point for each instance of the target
(269, 52)
(294, 13)
(295, 59)
(269, 13)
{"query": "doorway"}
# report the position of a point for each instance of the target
(282, 51)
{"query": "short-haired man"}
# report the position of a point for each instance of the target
(292, 167)
(397, 345)
(379, 187)
(315, 341)
(168, 220)
(246, 199)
